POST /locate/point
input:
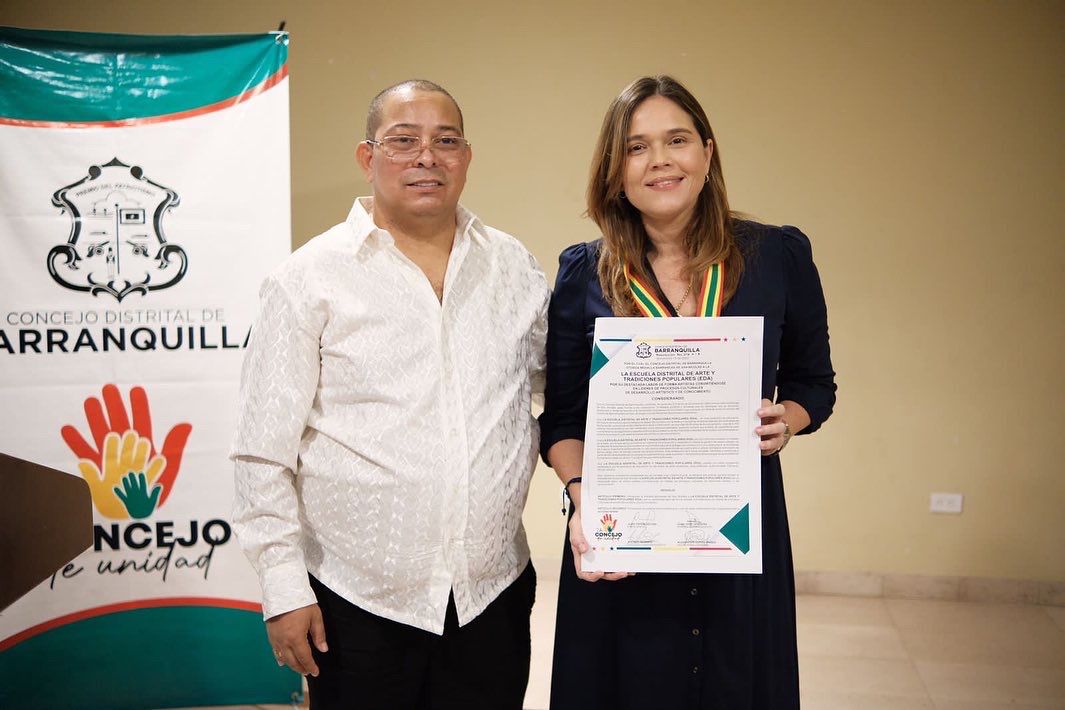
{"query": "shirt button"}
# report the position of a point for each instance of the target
(694, 591)
(695, 632)
(695, 669)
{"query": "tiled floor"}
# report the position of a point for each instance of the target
(892, 654)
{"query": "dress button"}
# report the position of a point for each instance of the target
(695, 632)
(694, 591)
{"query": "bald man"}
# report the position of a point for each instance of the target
(385, 439)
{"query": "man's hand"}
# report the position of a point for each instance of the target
(288, 635)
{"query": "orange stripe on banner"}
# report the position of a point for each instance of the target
(127, 606)
(271, 81)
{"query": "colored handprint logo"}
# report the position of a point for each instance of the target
(608, 522)
(127, 477)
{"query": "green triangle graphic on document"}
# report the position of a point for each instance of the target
(738, 530)
(599, 359)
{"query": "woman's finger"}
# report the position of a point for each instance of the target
(579, 544)
(769, 409)
(577, 560)
(764, 407)
(774, 429)
(771, 446)
(586, 576)
(576, 535)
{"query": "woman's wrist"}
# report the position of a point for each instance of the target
(571, 491)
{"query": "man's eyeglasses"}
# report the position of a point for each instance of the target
(404, 147)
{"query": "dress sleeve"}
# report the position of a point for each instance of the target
(569, 354)
(805, 372)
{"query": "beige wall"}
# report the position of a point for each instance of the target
(918, 144)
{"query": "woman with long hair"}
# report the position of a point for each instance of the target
(671, 246)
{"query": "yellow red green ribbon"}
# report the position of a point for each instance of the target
(710, 301)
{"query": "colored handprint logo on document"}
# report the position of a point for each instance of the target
(127, 476)
(608, 522)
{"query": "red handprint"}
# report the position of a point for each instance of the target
(117, 421)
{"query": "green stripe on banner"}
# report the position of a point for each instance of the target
(159, 657)
(80, 77)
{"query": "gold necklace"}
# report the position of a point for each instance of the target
(687, 292)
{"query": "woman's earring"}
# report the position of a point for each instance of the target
(707, 179)
(621, 195)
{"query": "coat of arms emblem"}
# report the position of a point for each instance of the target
(116, 243)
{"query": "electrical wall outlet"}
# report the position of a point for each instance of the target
(945, 503)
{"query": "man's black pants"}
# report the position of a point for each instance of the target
(376, 663)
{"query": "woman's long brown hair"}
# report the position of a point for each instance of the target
(709, 236)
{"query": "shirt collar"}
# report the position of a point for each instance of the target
(360, 220)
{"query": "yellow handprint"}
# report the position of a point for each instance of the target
(121, 455)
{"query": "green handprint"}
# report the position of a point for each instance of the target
(135, 497)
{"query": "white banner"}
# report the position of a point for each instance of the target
(136, 223)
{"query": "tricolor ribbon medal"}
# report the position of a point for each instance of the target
(710, 297)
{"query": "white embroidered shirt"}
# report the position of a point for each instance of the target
(385, 439)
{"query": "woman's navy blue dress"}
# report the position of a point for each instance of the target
(721, 641)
